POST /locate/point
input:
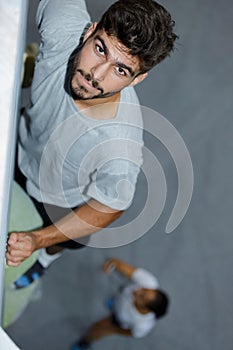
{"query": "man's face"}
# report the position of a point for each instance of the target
(103, 67)
(143, 296)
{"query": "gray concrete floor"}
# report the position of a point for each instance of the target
(193, 90)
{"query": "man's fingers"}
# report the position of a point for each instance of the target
(25, 245)
(14, 253)
(16, 257)
(13, 238)
(19, 247)
(107, 266)
(16, 237)
(12, 264)
(13, 260)
(23, 242)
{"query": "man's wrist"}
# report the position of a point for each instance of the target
(48, 236)
(115, 264)
(37, 239)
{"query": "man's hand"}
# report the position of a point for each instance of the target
(20, 246)
(124, 268)
(110, 265)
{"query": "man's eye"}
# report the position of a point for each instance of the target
(99, 49)
(121, 71)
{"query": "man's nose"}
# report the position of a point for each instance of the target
(99, 72)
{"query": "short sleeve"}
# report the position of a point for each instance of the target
(61, 15)
(60, 21)
(145, 279)
(144, 328)
(118, 161)
(114, 184)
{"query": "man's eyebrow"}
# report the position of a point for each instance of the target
(106, 51)
(119, 64)
(129, 69)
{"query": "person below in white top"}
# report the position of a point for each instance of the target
(134, 310)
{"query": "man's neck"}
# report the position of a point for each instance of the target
(100, 108)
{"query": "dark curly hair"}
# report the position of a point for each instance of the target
(160, 304)
(144, 27)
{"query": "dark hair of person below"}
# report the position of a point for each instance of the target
(160, 304)
(144, 27)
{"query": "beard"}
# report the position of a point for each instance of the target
(80, 92)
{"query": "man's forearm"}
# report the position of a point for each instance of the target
(124, 268)
(83, 221)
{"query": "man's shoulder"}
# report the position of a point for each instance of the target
(145, 279)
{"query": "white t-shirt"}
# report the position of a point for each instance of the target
(66, 156)
(125, 311)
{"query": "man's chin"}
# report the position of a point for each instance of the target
(82, 95)
(85, 97)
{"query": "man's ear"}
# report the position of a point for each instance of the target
(90, 31)
(138, 79)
